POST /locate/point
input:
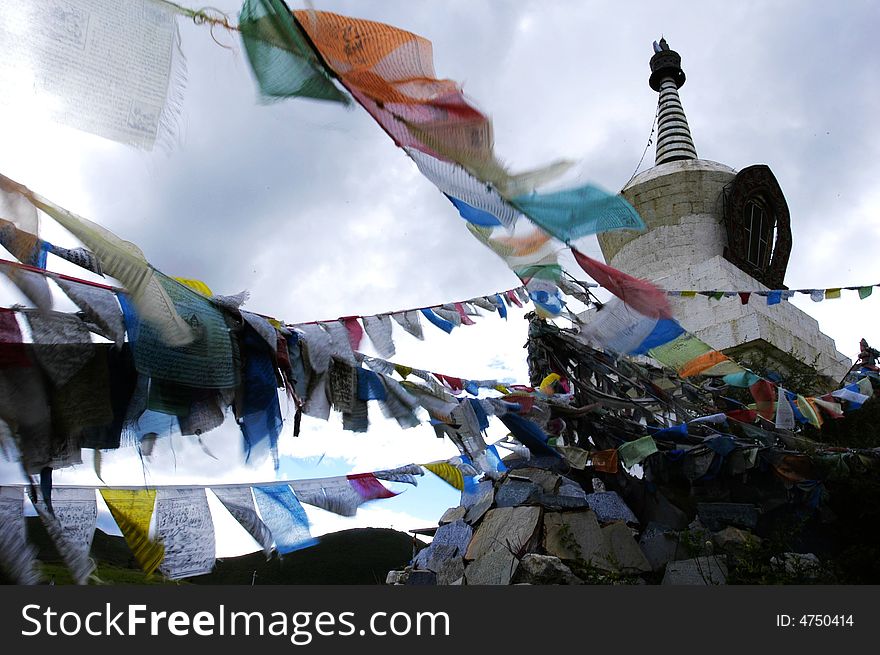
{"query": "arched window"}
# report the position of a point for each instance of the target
(758, 225)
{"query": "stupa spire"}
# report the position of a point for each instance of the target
(674, 140)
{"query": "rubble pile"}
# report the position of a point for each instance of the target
(536, 525)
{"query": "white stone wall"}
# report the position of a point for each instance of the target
(683, 247)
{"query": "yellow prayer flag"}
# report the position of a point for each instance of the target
(546, 386)
(133, 510)
(832, 293)
(196, 285)
(448, 472)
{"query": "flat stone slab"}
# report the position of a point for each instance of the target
(450, 540)
(731, 540)
(453, 514)
(544, 570)
(421, 578)
(457, 534)
(433, 557)
(451, 571)
(547, 480)
(504, 528)
(625, 554)
(396, 577)
(558, 502)
(702, 571)
(513, 492)
(658, 509)
(609, 507)
(576, 536)
(717, 516)
(479, 502)
(494, 568)
(659, 544)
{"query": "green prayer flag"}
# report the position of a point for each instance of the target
(281, 57)
(864, 292)
(634, 452)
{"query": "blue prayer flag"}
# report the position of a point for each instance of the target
(528, 434)
(575, 213)
(439, 321)
(370, 386)
(473, 214)
(285, 518)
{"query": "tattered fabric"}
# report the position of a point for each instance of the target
(205, 362)
(575, 213)
(285, 518)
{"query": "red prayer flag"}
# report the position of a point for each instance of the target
(355, 331)
(368, 486)
(512, 296)
(12, 350)
(465, 319)
(764, 393)
(641, 295)
(743, 415)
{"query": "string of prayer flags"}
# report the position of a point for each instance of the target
(121, 259)
(185, 543)
(285, 517)
(280, 56)
(132, 509)
(239, 501)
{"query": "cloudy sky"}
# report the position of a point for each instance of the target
(311, 207)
